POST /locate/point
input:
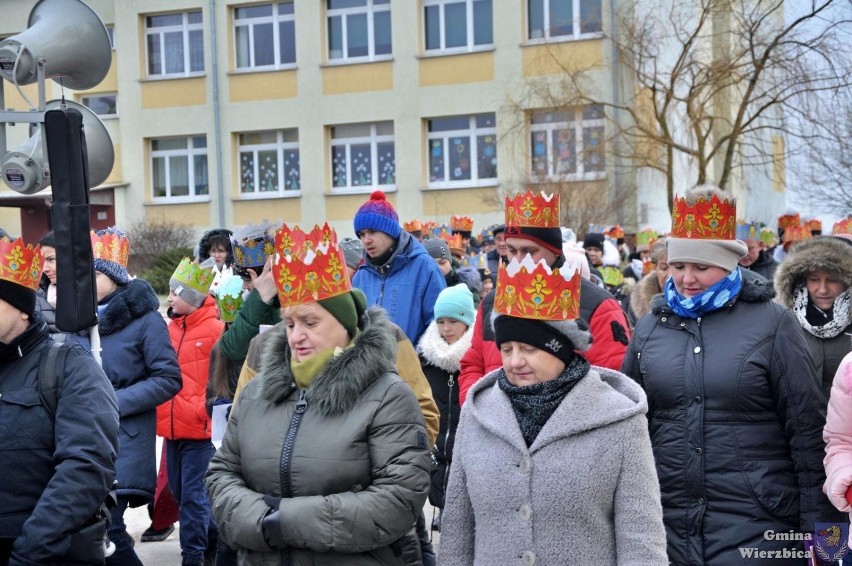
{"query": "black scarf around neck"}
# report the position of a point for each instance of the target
(535, 404)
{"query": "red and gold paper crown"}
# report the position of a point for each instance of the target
(20, 263)
(532, 290)
(112, 245)
(412, 226)
(796, 234)
(648, 266)
(454, 242)
(532, 210)
(309, 266)
(615, 232)
(707, 220)
(787, 220)
(814, 225)
(427, 225)
(461, 223)
(842, 227)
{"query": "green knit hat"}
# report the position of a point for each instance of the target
(347, 309)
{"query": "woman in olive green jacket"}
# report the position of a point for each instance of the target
(325, 459)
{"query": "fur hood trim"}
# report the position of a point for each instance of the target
(643, 293)
(437, 352)
(337, 388)
(130, 302)
(756, 289)
(824, 253)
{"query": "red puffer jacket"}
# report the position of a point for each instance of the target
(193, 336)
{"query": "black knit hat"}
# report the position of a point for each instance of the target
(550, 238)
(593, 240)
(559, 338)
(18, 296)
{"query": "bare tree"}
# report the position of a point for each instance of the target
(155, 235)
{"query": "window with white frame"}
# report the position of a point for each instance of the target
(462, 150)
(269, 163)
(567, 144)
(179, 168)
(562, 19)
(359, 29)
(265, 35)
(457, 25)
(174, 44)
(363, 156)
(102, 104)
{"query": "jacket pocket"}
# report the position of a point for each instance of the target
(771, 483)
(23, 421)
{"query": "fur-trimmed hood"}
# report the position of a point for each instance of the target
(756, 289)
(437, 352)
(128, 303)
(337, 388)
(643, 293)
(825, 253)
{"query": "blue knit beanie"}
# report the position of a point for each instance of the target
(455, 302)
(378, 214)
(112, 270)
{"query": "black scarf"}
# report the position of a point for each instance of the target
(535, 404)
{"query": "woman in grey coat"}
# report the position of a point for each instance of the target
(325, 459)
(552, 460)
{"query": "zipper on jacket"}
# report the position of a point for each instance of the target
(287, 450)
(172, 400)
(446, 479)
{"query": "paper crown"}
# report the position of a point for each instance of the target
(479, 261)
(648, 266)
(646, 237)
(842, 227)
(529, 210)
(787, 220)
(194, 276)
(814, 225)
(796, 234)
(532, 290)
(615, 232)
(308, 267)
(253, 244)
(412, 226)
(112, 245)
(229, 297)
(487, 235)
(747, 230)
(706, 220)
(20, 263)
(440, 231)
(454, 242)
(767, 236)
(427, 225)
(461, 223)
(596, 229)
(611, 275)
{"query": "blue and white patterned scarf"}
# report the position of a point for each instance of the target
(713, 298)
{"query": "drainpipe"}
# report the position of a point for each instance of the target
(217, 121)
(617, 99)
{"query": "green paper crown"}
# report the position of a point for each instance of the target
(194, 276)
(767, 236)
(646, 237)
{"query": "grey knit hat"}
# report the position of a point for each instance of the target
(353, 251)
(720, 253)
(437, 248)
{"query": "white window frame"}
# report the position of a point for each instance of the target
(275, 19)
(576, 123)
(470, 47)
(576, 27)
(160, 31)
(473, 132)
(83, 98)
(279, 146)
(374, 139)
(371, 10)
(190, 152)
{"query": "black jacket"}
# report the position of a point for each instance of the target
(736, 418)
(54, 476)
(764, 265)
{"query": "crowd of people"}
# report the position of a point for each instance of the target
(616, 399)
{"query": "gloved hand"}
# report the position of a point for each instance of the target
(272, 501)
(271, 527)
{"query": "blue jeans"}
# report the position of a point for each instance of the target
(186, 463)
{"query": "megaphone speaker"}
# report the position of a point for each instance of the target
(69, 36)
(25, 169)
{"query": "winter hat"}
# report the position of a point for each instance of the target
(347, 308)
(378, 214)
(20, 272)
(191, 282)
(353, 252)
(470, 276)
(575, 257)
(593, 240)
(438, 248)
(560, 338)
(456, 302)
(111, 251)
(536, 218)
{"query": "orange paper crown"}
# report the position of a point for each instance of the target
(461, 223)
(814, 225)
(532, 290)
(615, 232)
(787, 220)
(707, 220)
(413, 226)
(309, 266)
(111, 246)
(796, 234)
(842, 227)
(532, 210)
(454, 242)
(427, 225)
(20, 263)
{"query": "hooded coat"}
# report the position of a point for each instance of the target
(355, 473)
(838, 437)
(584, 492)
(640, 297)
(835, 258)
(736, 421)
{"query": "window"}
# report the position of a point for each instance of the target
(175, 44)
(567, 143)
(363, 156)
(104, 105)
(265, 35)
(457, 25)
(462, 151)
(358, 29)
(179, 168)
(563, 19)
(269, 163)
(111, 34)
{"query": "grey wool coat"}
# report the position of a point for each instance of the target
(585, 492)
(358, 469)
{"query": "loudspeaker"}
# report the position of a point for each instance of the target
(69, 36)
(23, 167)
